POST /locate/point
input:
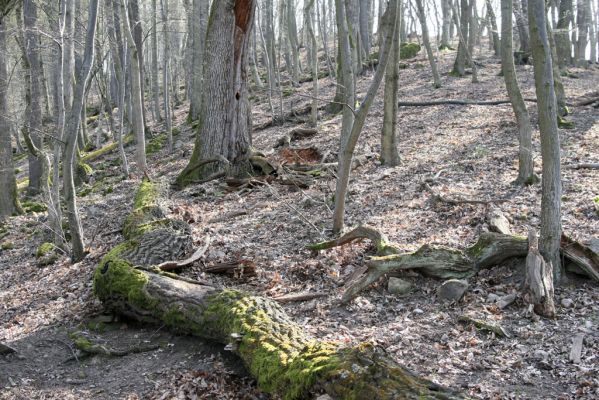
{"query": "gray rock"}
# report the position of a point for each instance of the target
(452, 290)
(418, 311)
(399, 286)
(492, 298)
(506, 300)
(594, 245)
(567, 303)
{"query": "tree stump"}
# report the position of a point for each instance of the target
(538, 287)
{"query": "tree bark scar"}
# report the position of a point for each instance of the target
(243, 14)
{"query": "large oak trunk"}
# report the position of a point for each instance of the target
(276, 351)
(224, 120)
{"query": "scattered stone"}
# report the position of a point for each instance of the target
(418, 311)
(498, 222)
(399, 286)
(506, 300)
(6, 349)
(452, 290)
(567, 303)
(492, 298)
(576, 351)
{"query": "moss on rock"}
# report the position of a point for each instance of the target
(46, 254)
(30, 206)
(409, 50)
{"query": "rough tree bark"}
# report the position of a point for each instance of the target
(166, 75)
(550, 143)
(459, 66)
(9, 201)
(313, 48)
(562, 34)
(493, 28)
(526, 173)
(277, 352)
(200, 24)
(389, 150)
(225, 120)
(154, 46)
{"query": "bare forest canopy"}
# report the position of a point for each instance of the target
(316, 199)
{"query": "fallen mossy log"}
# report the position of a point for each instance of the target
(277, 352)
(105, 150)
(441, 261)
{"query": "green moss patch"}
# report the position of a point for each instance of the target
(156, 144)
(30, 206)
(7, 246)
(105, 150)
(409, 50)
(564, 123)
(46, 254)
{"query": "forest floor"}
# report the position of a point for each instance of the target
(472, 151)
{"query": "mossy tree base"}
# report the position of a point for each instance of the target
(276, 351)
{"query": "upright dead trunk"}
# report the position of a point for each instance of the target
(136, 94)
(427, 44)
(525, 160)
(389, 150)
(550, 144)
(72, 124)
(351, 133)
(154, 44)
(225, 119)
(200, 23)
(9, 201)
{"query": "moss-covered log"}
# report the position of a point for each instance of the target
(276, 351)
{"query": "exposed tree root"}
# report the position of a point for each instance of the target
(276, 351)
(88, 345)
(440, 261)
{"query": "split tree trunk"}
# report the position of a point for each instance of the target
(277, 352)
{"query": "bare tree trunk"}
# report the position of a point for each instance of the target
(459, 66)
(389, 151)
(136, 94)
(427, 44)
(446, 11)
(166, 73)
(118, 48)
(550, 144)
(562, 34)
(293, 41)
(493, 29)
(225, 120)
(72, 124)
(9, 201)
(526, 173)
(350, 134)
(365, 31)
(155, 84)
(134, 21)
(309, 18)
(522, 24)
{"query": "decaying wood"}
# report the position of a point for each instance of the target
(583, 257)
(6, 349)
(237, 268)
(276, 351)
(576, 350)
(436, 197)
(294, 135)
(295, 297)
(538, 286)
(457, 102)
(89, 345)
(175, 265)
(440, 261)
(582, 166)
(231, 215)
(435, 261)
(484, 326)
